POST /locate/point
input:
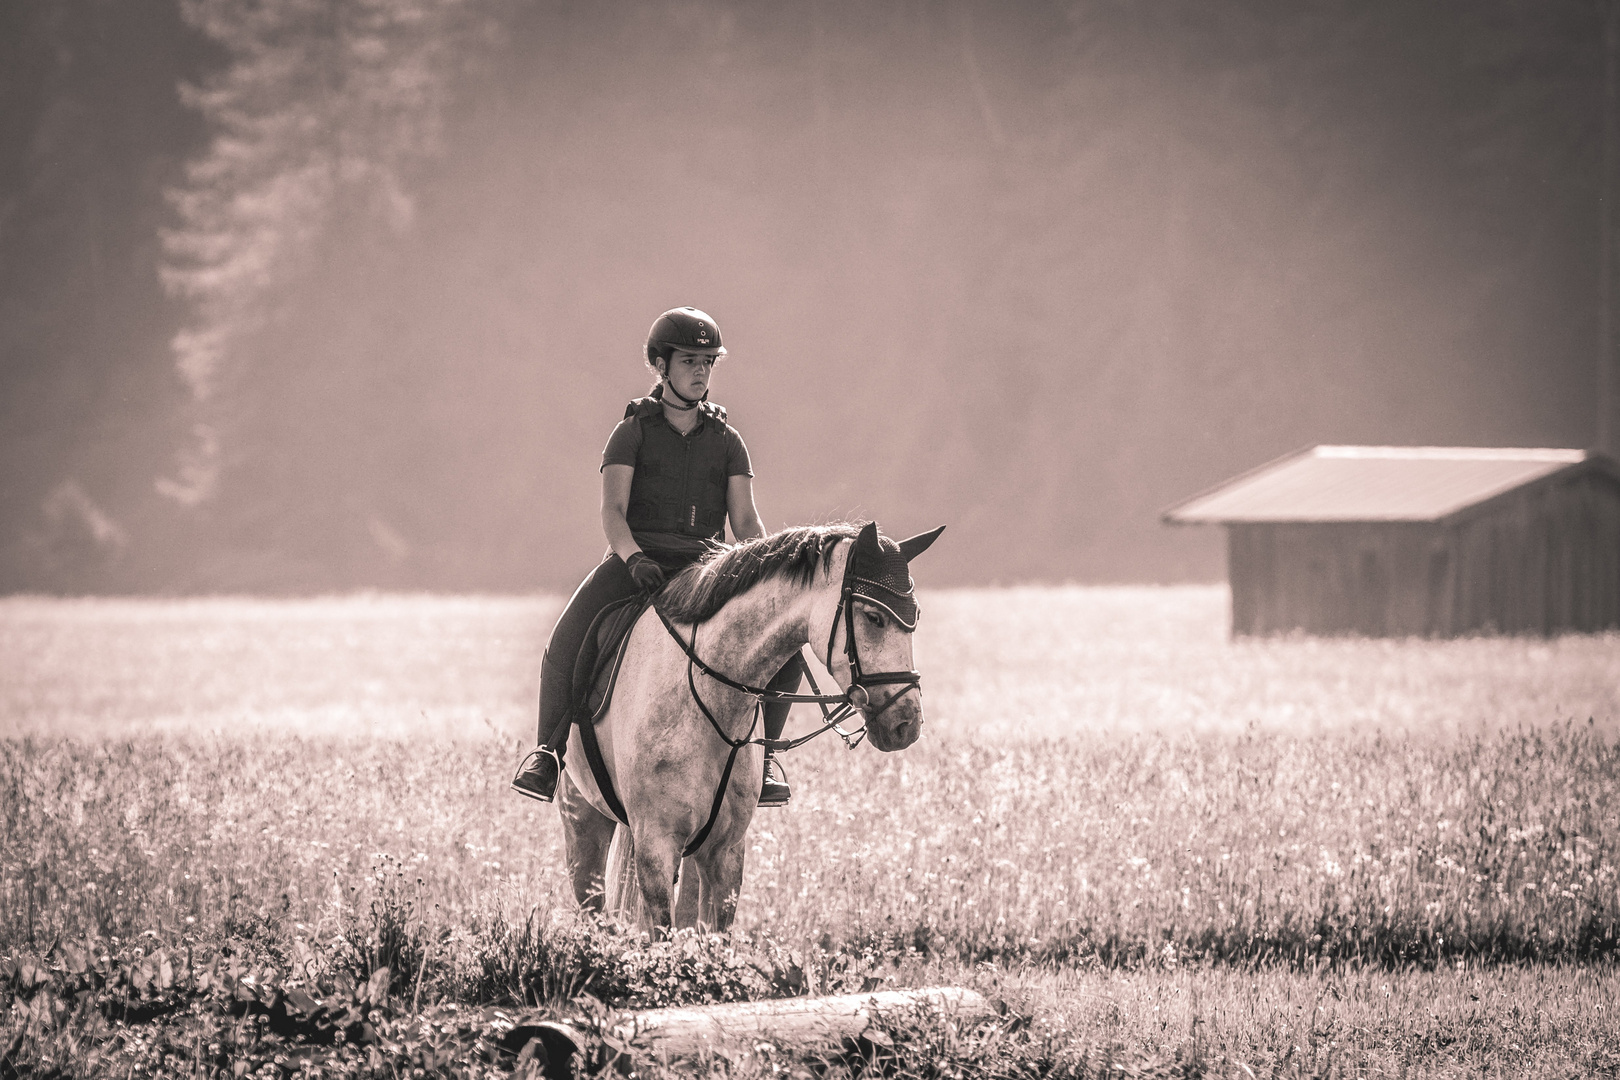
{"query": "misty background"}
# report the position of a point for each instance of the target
(302, 295)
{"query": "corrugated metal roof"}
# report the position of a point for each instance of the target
(1372, 483)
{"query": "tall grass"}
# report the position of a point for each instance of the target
(1155, 849)
(1163, 848)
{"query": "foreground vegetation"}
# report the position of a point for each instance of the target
(1186, 899)
(1077, 1021)
(1387, 851)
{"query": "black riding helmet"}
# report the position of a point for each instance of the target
(683, 328)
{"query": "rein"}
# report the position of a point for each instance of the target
(846, 707)
(846, 703)
(832, 717)
(693, 665)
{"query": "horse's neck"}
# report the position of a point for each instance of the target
(755, 633)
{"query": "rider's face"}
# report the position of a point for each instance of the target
(689, 372)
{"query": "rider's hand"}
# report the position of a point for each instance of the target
(648, 574)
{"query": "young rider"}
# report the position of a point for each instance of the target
(674, 471)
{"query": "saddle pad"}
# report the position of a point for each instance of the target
(593, 682)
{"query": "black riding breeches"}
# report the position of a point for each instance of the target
(608, 583)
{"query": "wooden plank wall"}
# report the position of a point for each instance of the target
(1369, 578)
(1542, 560)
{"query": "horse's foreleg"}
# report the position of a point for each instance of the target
(721, 873)
(656, 859)
(686, 895)
(586, 836)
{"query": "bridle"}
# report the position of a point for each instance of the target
(860, 680)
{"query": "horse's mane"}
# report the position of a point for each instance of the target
(697, 593)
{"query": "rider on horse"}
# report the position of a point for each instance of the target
(674, 471)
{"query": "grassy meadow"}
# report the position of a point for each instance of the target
(1180, 854)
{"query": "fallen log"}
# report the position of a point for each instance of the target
(822, 1025)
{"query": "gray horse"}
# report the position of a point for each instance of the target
(743, 611)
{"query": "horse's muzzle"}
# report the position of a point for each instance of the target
(897, 725)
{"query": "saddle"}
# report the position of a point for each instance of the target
(596, 668)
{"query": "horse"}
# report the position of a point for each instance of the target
(676, 740)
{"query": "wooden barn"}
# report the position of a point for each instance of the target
(1424, 540)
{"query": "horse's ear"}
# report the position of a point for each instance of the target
(866, 543)
(913, 546)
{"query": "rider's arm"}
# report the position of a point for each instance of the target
(740, 508)
(615, 502)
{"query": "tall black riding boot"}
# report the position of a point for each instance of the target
(774, 791)
(537, 776)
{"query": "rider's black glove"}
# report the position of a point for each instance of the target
(648, 574)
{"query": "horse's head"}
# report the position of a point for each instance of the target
(869, 636)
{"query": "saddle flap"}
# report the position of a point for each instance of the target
(598, 652)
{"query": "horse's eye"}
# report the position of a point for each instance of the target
(874, 617)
